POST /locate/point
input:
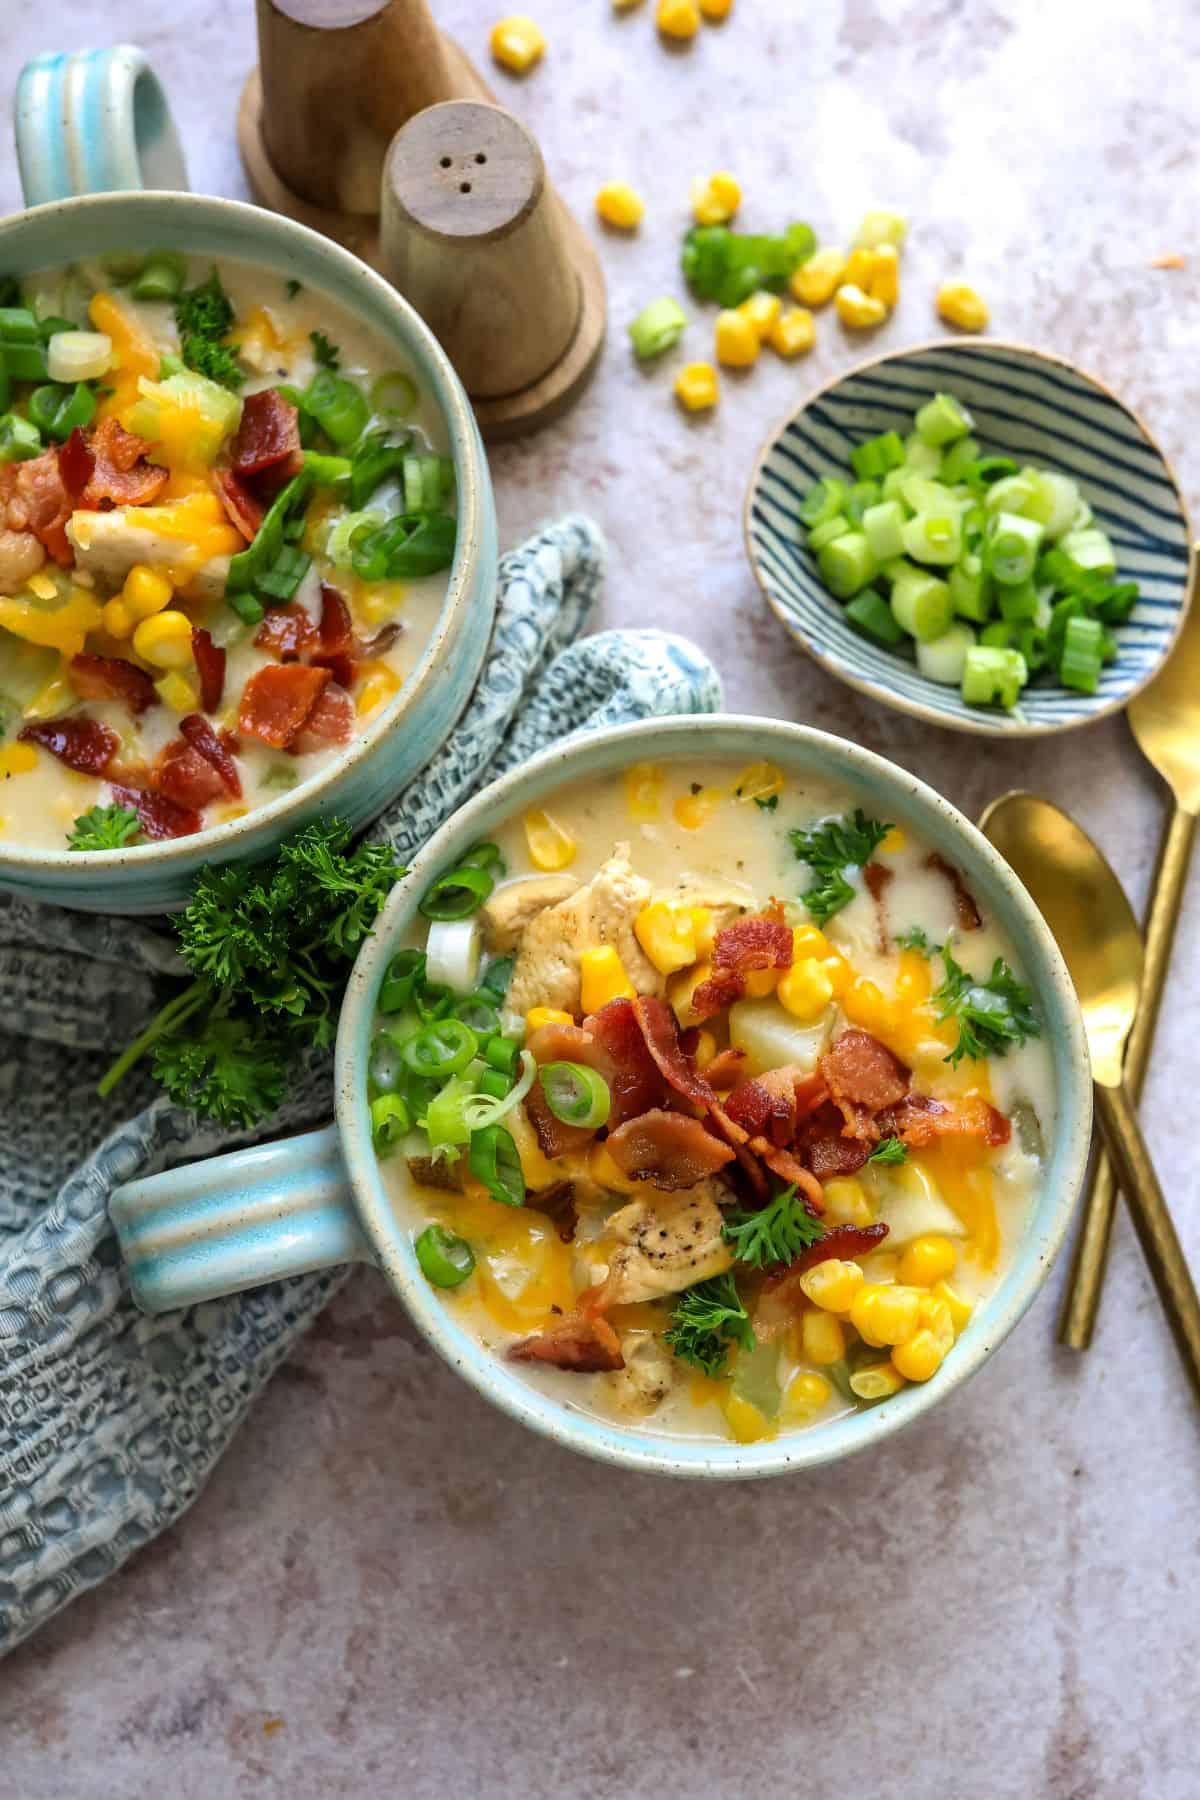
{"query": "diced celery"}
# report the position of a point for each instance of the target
(827, 531)
(846, 565)
(211, 413)
(1012, 495)
(993, 677)
(941, 420)
(970, 589)
(1089, 549)
(883, 527)
(944, 658)
(958, 458)
(934, 537)
(1053, 502)
(921, 458)
(921, 604)
(872, 615)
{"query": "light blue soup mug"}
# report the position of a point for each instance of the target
(257, 1215)
(99, 121)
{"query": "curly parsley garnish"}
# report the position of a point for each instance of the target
(327, 355)
(914, 938)
(889, 1150)
(270, 947)
(204, 316)
(707, 1319)
(106, 828)
(830, 850)
(991, 1014)
(766, 802)
(776, 1234)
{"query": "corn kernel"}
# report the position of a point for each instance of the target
(881, 228)
(619, 205)
(895, 841)
(379, 684)
(760, 983)
(17, 759)
(858, 311)
(934, 1315)
(696, 387)
(605, 1173)
(883, 1314)
(794, 332)
(960, 1309)
(809, 940)
(42, 585)
(758, 781)
(704, 928)
(715, 201)
(716, 10)
(737, 341)
(116, 618)
(762, 310)
(546, 1015)
(678, 18)
(865, 1004)
(643, 791)
(550, 847)
(860, 266)
(691, 810)
(960, 305)
(884, 283)
(839, 971)
(52, 698)
(668, 936)
(913, 979)
(847, 1202)
(815, 281)
(177, 692)
(822, 1340)
(879, 1382)
(602, 978)
(920, 1358)
(928, 1259)
(806, 1394)
(146, 591)
(832, 1285)
(681, 988)
(747, 1424)
(517, 43)
(165, 639)
(705, 1051)
(805, 990)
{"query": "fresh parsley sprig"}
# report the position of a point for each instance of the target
(327, 355)
(830, 849)
(106, 828)
(203, 316)
(915, 938)
(991, 1014)
(889, 1150)
(707, 1319)
(776, 1234)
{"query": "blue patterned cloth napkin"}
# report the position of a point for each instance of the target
(110, 1421)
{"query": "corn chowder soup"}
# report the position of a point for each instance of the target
(711, 1101)
(225, 524)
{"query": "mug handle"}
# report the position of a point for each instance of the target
(236, 1221)
(94, 121)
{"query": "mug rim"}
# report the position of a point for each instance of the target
(1045, 1230)
(222, 842)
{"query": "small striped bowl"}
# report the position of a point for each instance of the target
(1028, 405)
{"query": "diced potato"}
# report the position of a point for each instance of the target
(911, 1206)
(771, 1037)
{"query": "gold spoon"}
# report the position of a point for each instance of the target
(1165, 720)
(1085, 907)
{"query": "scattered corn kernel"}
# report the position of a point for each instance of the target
(839, 972)
(618, 204)
(884, 1314)
(806, 1394)
(706, 931)
(885, 275)
(177, 692)
(832, 1285)
(705, 1051)
(643, 791)
(42, 585)
(865, 1004)
(928, 1259)
(517, 42)
(879, 1382)
(895, 841)
(760, 983)
(17, 759)
(822, 1340)
(858, 311)
(678, 18)
(881, 227)
(550, 847)
(960, 1309)
(602, 978)
(920, 1358)
(681, 988)
(805, 989)
(696, 387)
(715, 200)
(747, 1425)
(815, 281)
(605, 1173)
(860, 266)
(934, 1315)
(668, 936)
(758, 781)
(737, 341)
(379, 683)
(691, 810)
(762, 310)
(960, 305)
(546, 1015)
(52, 698)
(146, 592)
(794, 332)
(715, 10)
(165, 639)
(847, 1202)
(809, 940)
(116, 618)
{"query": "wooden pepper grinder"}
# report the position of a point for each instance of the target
(363, 105)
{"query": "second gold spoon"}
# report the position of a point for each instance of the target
(1085, 907)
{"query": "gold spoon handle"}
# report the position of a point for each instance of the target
(1081, 1302)
(1152, 1221)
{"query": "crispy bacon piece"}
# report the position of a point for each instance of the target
(277, 701)
(969, 916)
(863, 1076)
(210, 666)
(331, 721)
(243, 508)
(186, 777)
(204, 740)
(836, 1155)
(120, 474)
(784, 1164)
(920, 1119)
(667, 1149)
(657, 1024)
(781, 1298)
(758, 941)
(555, 1137)
(879, 878)
(75, 462)
(380, 642)
(112, 678)
(581, 1341)
(81, 743)
(766, 1106)
(41, 503)
(287, 632)
(161, 816)
(635, 1082)
(568, 1043)
(724, 1068)
(337, 627)
(558, 1203)
(269, 434)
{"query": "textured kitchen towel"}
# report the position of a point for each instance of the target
(110, 1421)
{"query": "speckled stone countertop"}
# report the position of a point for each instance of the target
(389, 1589)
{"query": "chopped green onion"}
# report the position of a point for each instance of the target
(428, 480)
(993, 676)
(480, 1013)
(285, 574)
(1011, 494)
(327, 471)
(18, 326)
(456, 894)
(986, 470)
(445, 1120)
(249, 610)
(921, 604)
(409, 545)
(400, 980)
(433, 1000)
(19, 439)
(846, 565)
(879, 454)
(162, 276)
(871, 614)
(921, 458)
(658, 327)
(823, 501)
(883, 528)
(444, 1258)
(828, 532)
(1033, 642)
(390, 1122)
(862, 495)
(249, 565)
(495, 1160)
(497, 976)
(576, 1094)
(957, 460)
(394, 393)
(373, 463)
(57, 411)
(941, 420)
(1012, 545)
(502, 1053)
(934, 537)
(943, 659)
(1082, 655)
(483, 855)
(970, 589)
(488, 1108)
(998, 635)
(385, 1068)
(339, 407)
(492, 1083)
(443, 1047)
(1018, 602)
(1088, 549)
(25, 362)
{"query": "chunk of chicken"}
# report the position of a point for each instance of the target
(725, 900)
(21, 555)
(514, 906)
(108, 544)
(601, 912)
(665, 1245)
(649, 1374)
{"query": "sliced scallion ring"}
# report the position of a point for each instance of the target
(390, 1121)
(452, 952)
(456, 894)
(495, 1161)
(445, 1259)
(443, 1047)
(576, 1094)
(483, 1110)
(403, 973)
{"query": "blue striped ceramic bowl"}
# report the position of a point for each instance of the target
(1027, 405)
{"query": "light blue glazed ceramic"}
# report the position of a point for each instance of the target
(258, 1215)
(1028, 405)
(101, 117)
